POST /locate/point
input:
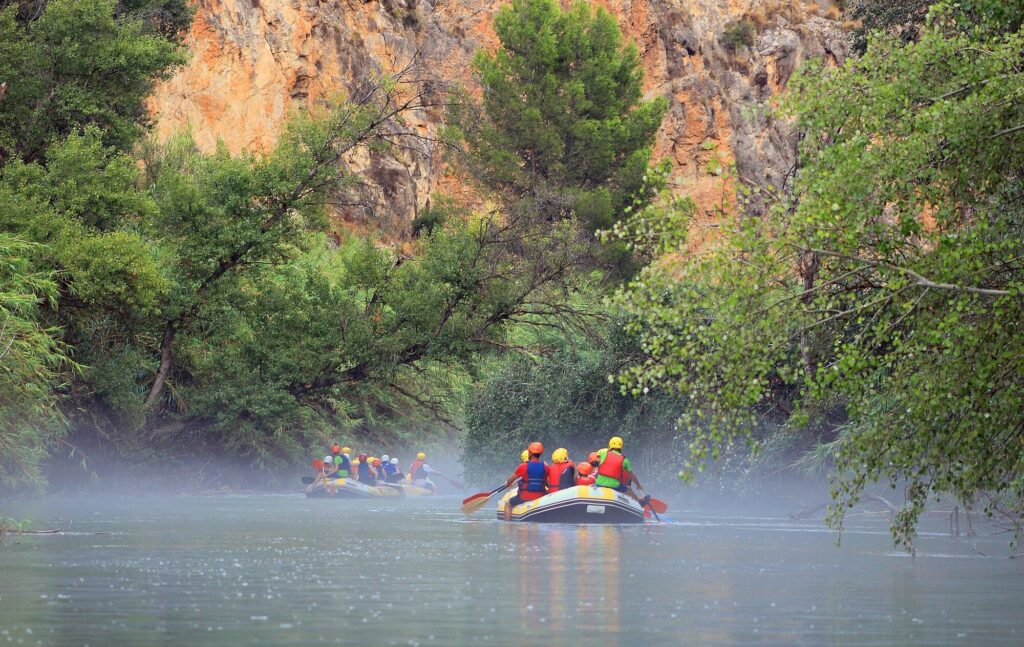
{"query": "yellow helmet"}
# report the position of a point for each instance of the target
(615, 443)
(525, 456)
(560, 455)
(355, 461)
(420, 456)
(346, 450)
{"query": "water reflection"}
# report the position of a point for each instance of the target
(569, 576)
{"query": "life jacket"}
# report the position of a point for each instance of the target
(365, 474)
(585, 480)
(535, 476)
(555, 473)
(611, 466)
(414, 470)
(568, 478)
(343, 466)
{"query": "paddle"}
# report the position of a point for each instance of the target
(473, 503)
(308, 480)
(657, 505)
(455, 483)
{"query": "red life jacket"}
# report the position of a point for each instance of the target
(414, 468)
(585, 480)
(555, 474)
(611, 466)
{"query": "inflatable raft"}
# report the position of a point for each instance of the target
(352, 489)
(578, 504)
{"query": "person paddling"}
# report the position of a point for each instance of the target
(561, 473)
(615, 470)
(327, 471)
(419, 472)
(532, 476)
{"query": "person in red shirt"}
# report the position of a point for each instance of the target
(532, 476)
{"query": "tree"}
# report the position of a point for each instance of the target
(77, 64)
(562, 123)
(563, 398)
(31, 357)
(887, 286)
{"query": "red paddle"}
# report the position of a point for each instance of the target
(658, 505)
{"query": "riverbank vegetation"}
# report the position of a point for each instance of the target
(160, 302)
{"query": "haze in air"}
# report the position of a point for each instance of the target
(430, 323)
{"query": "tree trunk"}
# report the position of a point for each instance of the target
(166, 352)
(808, 267)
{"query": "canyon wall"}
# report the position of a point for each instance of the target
(254, 61)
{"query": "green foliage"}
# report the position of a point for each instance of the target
(562, 122)
(31, 356)
(563, 399)
(737, 34)
(78, 64)
(887, 287)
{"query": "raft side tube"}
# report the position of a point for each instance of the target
(346, 488)
(578, 504)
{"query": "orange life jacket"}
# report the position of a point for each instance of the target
(611, 466)
(415, 468)
(585, 480)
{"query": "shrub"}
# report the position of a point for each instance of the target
(739, 33)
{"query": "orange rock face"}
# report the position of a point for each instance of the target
(255, 61)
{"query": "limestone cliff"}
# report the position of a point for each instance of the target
(255, 60)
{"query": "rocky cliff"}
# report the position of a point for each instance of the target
(720, 62)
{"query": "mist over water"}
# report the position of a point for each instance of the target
(262, 569)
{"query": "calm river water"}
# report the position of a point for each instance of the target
(283, 569)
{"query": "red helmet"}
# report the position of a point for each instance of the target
(594, 458)
(376, 462)
(362, 458)
(535, 448)
(585, 468)
(335, 448)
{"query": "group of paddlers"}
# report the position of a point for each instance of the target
(371, 469)
(604, 468)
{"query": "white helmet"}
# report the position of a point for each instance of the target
(328, 460)
(394, 461)
(385, 458)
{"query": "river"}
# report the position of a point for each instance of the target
(274, 569)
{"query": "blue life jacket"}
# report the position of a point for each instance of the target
(364, 472)
(535, 475)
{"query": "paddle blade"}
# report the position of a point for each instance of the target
(478, 495)
(475, 504)
(658, 505)
(307, 480)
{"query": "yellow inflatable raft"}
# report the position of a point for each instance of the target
(578, 504)
(346, 488)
